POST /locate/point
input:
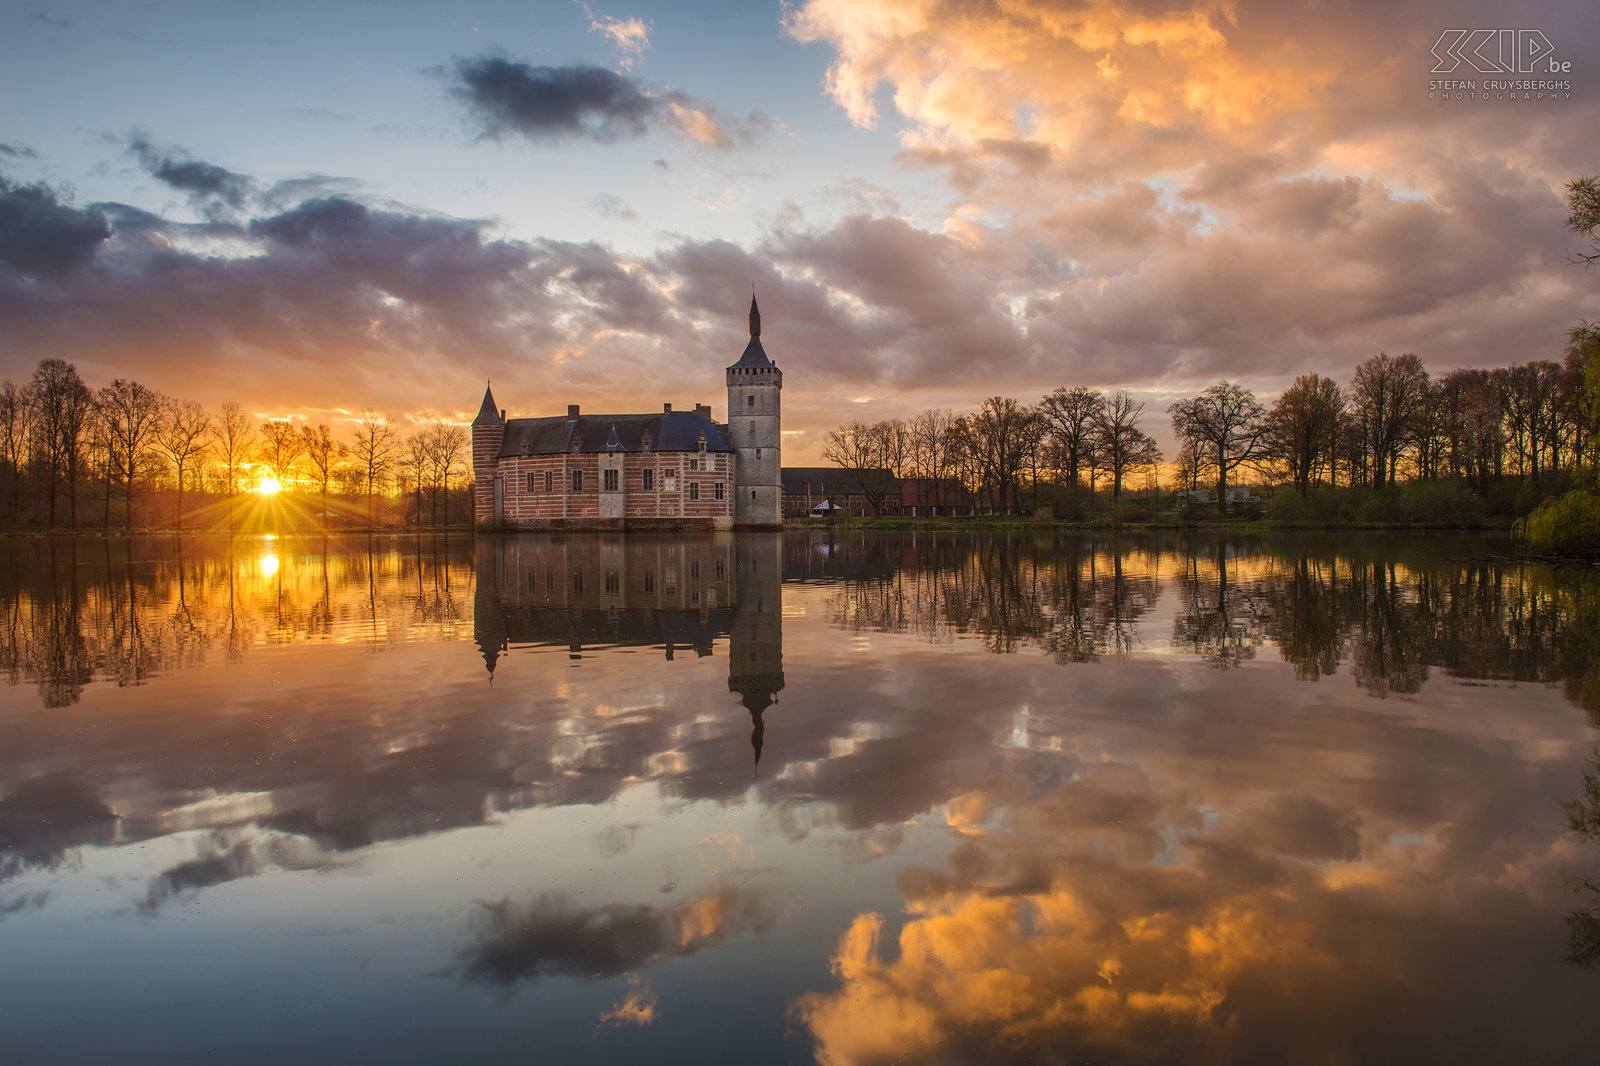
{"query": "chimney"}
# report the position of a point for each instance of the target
(502, 414)
(666, 408)
(703, 409)
(572, 410)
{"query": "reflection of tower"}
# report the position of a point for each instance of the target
(488, 623)
(755, 646)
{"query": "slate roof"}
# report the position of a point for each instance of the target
(755, 356)
(824, 481)
(678, 431)
(488, 415)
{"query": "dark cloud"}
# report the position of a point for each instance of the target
(548, 937)
(18, 151)
(206, 184)
(557, 103)
(40, 236)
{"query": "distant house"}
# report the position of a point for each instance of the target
(934, 497)
(807, 487)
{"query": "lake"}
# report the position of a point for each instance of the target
(810, 797)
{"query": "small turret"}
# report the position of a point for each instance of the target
(488, 435)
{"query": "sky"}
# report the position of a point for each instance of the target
(322, 209)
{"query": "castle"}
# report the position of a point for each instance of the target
(675, 470)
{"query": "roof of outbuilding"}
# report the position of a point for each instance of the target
(677, 431)
(824, 480)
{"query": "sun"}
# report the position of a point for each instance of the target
(269, 485)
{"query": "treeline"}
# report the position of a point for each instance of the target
(126, 455)
(1392, 422)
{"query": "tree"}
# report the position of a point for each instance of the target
(932, 452)
(1229, 427)
(1002, 435)
(234, 438)
(444, 446)
(865, 452)
(1303, 428)
(374, 452)
(14, 422)
(62, 405)
(131, 413)
(184, 437)
(1583, 215)
(1582, 362)
(1069, 419)
(1388, 394)
(1122, 445)
(323, 452)
(281, 445)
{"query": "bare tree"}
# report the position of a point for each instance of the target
(281, 444)
(1388, 394)
(864, 451)
(933, 449)
(234, 438)
(1228, 425)
(446, 445)
(1002, 434)
(375, 449)
(184, 436)
(1122, 444)
(14, 421)
(1069, 417)
(132, 414)
(1303, 428)
(62, 406)
(324, 453)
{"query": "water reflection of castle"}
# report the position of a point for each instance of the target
(595, 592)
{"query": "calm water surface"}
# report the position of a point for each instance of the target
(852, 799)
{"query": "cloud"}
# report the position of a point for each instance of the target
(42, 237)
(547, 937)
(18, 151)
(631, 35)
(547, 104)
(209, 187)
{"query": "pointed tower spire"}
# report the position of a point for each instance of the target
(755, 315)
(488, 413)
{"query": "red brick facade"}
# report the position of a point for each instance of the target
(687, 490)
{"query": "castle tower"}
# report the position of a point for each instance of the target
(754, 383)
(488, 433)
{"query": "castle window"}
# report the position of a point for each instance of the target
(549, 481)
(694, 464)
(613, 582)
(611, 481)
(577, 581)
(758, 453)
(529, 489)
(577, 481)
(649, 580)
(719, 490)
(694, 567)
(649, 480)
(721, 570)
(750, 401)
(694, 490)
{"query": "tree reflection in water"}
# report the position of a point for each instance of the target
(1134, 856)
